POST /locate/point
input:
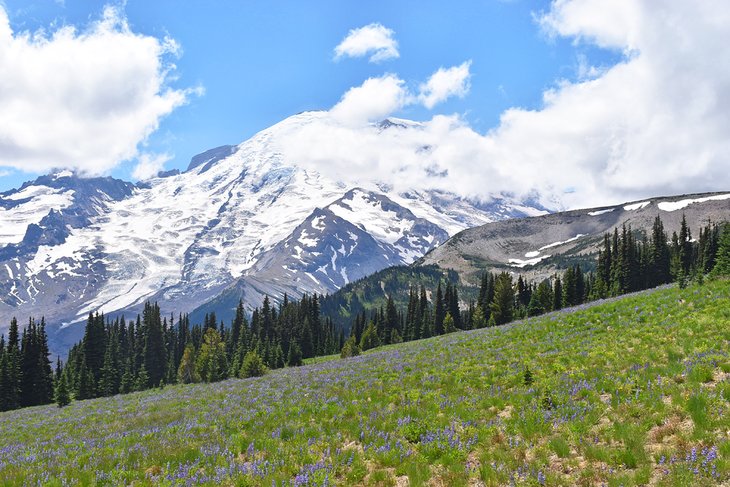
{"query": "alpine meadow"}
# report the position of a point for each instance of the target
(364, 244)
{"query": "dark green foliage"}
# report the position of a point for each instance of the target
(370, 338)
(541, 300)
(253, 366)
(449, 326)
(32, 368)
(9, 388)
(439, 312)
(628, 263)
(527, 377)
(211, 364)
(351, 348)
(478, 318)
(26, 377)
(62, 396)
(294, 358)
(504, 296)
(143, 379)
(155, 354)
(186, 372)
(722, 261)
(86, 386)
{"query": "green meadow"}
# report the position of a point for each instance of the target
(630, 391)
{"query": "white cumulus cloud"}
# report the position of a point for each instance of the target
(374, 39)
(445, 83)
(148, 165)
(655, 123)
(375, 99)
(82, 99)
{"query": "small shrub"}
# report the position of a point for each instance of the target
(547, 401)
(350, 348)
(413, 430)
(252, 365)
(528, 379)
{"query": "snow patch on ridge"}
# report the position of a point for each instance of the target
(678, 205)
(522, 263)
(600, 212)
(637, 206)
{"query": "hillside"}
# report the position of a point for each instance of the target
(537, 246)
(563, 239)
(625, 392)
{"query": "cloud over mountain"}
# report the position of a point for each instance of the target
(654, 123)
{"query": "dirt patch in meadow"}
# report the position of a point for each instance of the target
(506, 413)
(402, 481)
(717, 376)
(666, 434)
(353, 446)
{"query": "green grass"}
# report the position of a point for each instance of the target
(627, 392)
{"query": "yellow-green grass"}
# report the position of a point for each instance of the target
(625, 392)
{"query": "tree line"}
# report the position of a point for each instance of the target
(116, 356)
(628, 261)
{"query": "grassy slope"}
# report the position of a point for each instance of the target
(627, 392)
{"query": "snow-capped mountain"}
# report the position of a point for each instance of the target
(241, 220)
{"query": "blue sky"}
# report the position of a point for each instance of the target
(582, 102)
(259, 62)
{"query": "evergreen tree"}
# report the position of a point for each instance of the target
(94, 345)
(370, 338)
(143, 379)
(503, 303)
(9, 392)
(660, 260)
(62, 396)
(453, 307)
(685, 247)
(351, 348)
(449, 326)
(439, 312)
(478, 319)
(155, 356)
(211, 364)
(294, 357)
(86, 385)
(109, 379)
(558, 294)
(392, 321)
(127, 383)
(722, 260)
(186, 373)
(252, 366)
(541, 300)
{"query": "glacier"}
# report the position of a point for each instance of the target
(240, 223)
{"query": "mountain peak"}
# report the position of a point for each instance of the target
(402, 123)
(210, 157)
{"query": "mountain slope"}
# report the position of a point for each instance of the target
(631, 391)
(240, 220)
(537, 246)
